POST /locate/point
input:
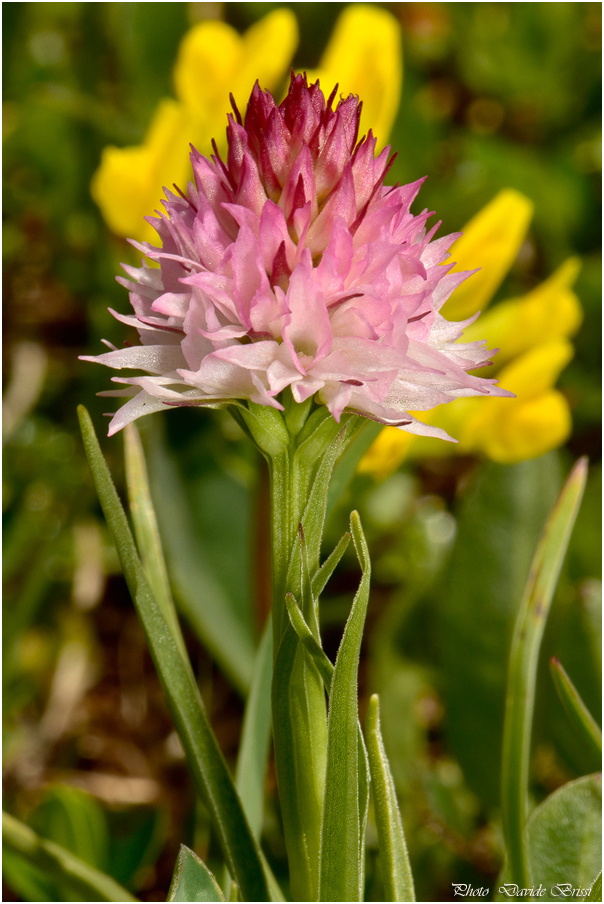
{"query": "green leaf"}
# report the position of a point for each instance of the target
(199, 594)
(309, 641)
(203, 753)
(192, 880)
(264, 425)
(326, 669)
(59, 864)
(75, 820)
(318, 432)
(328, 567)
(596, 889)
(252, 760)
(582, 719)
(145, 528)
(528, 632)
(314, 510)
(341, 873)
(564, 841)
(396, 870)
(295, 768)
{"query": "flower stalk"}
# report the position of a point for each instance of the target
(300, 447)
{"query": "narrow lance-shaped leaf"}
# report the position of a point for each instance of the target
(328, 567)
(582, 719)
(192, 880)
(588, 729)
(396, 870)
(326, 669)
(294, 771)
(309, 641)
(526, 642)
(60, 864)
(342, 856)
(203, 753)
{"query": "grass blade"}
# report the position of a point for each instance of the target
(396, 870)
(60, 864)
(342, 851)
(570, 698)
(203, 754)
(524, 654)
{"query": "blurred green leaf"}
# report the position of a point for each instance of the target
(499, 524)
(76, 821)
(564, 840)
(87, 883)
(252, 760)
(137, 836)
(596, 889)
(199, 594)
(581, 718)
(192, 880)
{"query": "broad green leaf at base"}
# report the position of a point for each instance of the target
(564, 842)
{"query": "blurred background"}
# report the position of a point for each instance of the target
(494, 96)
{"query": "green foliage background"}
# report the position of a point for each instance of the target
(495, 95)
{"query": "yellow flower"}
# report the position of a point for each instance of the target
(213, 61)
(364, 56)
(128, 184)
(491, 241)
(532, 335)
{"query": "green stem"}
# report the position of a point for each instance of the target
(299, 709)
(301, 447)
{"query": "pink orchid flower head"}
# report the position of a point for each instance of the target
(292, 264)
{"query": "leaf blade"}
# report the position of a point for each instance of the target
(60, 863)
(524, 654)
(396, 870)
(580, 716)
(341, 863)
(192, 880)
(203, 754)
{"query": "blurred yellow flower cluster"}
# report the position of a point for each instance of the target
(363, 56)
(532, 334)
